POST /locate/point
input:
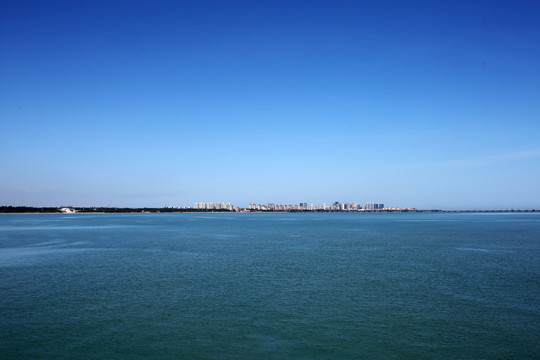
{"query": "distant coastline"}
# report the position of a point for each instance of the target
(169, 210)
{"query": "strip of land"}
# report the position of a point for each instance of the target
(148, 210)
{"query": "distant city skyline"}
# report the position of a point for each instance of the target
(148, 103)
(336, 206)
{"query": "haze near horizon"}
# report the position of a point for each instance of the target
(139, 103)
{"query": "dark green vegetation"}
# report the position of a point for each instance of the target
(46, 210)
(27, 209)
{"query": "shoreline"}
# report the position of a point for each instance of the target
(141, 211)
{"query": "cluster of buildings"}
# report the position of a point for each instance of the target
(371, 206)
(336, 206)
(215, 206)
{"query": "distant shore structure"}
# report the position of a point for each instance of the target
(215, 206)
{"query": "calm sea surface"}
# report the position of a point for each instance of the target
(270, 286)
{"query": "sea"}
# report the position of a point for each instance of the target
(270, 286)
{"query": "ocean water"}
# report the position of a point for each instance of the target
(270, 286)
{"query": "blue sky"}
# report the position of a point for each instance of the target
(152, 103)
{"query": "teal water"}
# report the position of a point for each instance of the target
(270, 286)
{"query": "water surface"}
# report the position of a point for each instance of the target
(270, 286)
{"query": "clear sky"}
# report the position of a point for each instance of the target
(428, 104)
